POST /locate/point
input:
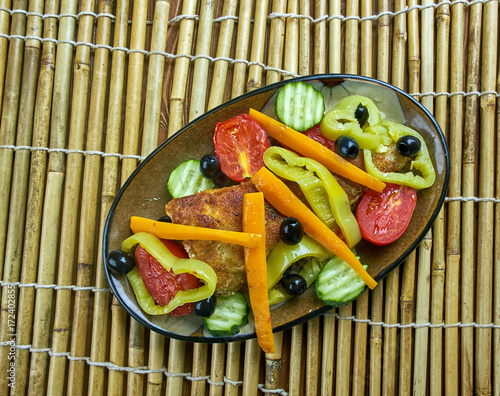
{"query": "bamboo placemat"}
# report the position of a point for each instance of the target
(89, 88)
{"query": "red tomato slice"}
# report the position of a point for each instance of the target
(383, 217)
(240, 144)
(163, 285)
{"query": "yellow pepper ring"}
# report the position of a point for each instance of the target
(170, 262)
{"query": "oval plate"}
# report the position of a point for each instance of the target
(145, 194)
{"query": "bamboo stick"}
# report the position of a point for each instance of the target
(60, 332)
(149, 143)
(131, 146)
(496, 296)
(272, 376)
(276, 35)
(452, 281)
(439, 248)
(200, 70)
(50, 229)
(320, 50)
(176, 353)
(200, 363)
(484, 300)
(181, 71)
(422, 314)
(251, 367)
(291, 55)
(217, 369)
(219, 76)
(19, 182)
(4, 44)
(304, 38)
(109, 189)
(334, 38)
(295, 377)
(233, 368)
(312, 370)
(327, 354)
(424, 70)
(351, 38)
(468, 208)
(366, 59)
(8, 124)
(383, 47)
(41, 125)
(156, 68)
(408, 303)
(254, 79)
(376, 341)
(88, 214)
(413, 48)
(242, 45)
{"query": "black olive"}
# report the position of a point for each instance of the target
(209, 165)
(291, 231)
(408, 145)
(205, 307)
(361, 114)
(120, 262)
(165, 219)
(346, 147)
(294, 284)
(222, 180)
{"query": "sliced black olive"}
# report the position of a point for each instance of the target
(222, 180)
(120, 262)
(165, 219)
(408, 145)
(291, 231)
(294, 284)
(205, 307)
(209, 165)
(361, 114)
(346, 147)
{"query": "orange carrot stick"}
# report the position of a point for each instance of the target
(312, 149)
(254, 221)
(285, 202)
(181, 232)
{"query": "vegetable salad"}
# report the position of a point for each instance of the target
(357, 176)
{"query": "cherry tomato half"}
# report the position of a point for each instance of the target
(383, 217)
(240, 144)
(163, 285)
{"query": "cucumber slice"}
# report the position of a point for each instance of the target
(299, 106)
(187, 179)
(231, 313)
(338, 283)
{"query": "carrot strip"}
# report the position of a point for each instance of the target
(181, 232)
(254, 221)
(285, 202)
(312, 149)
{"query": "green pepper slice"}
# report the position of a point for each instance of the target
(340, 120)
(170, 262)
(422, 161)
(321, 189)
(283, 255)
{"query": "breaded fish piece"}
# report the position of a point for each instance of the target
(222, 209)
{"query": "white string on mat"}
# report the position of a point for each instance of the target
(414, 325)
(55, 287)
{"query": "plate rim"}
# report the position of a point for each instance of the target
(321, 310)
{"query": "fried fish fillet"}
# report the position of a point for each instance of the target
(222, 209)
